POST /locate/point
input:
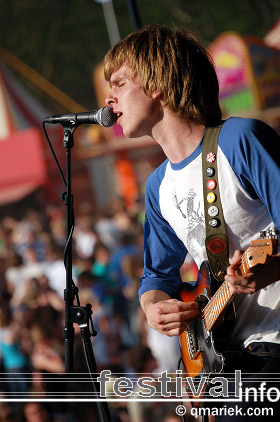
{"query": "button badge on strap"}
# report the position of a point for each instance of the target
(210, 171)
(213, 211)
(211, 197)
(211, 184)
(214, 222)
(210, 157)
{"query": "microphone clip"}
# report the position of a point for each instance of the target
(68, 138)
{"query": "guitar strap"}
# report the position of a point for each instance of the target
(216, 242)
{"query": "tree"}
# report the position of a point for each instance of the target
(64, 40)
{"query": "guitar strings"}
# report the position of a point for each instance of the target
(213, 309)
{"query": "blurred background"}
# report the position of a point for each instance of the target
(51, 56)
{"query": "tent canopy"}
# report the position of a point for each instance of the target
(22, 162)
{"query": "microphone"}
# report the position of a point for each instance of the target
(104, 117)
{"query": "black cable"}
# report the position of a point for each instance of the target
(181, 401)
(103, 409)
(68, 241)
(54, 156)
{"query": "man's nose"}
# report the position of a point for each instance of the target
(110, 99)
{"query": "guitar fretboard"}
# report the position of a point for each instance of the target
(257, 253)
(216, 306)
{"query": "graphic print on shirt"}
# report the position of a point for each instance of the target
(241, 187)
(195, 229)
(178, 203)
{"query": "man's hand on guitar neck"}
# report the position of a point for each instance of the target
(168, 316)
(261, 276)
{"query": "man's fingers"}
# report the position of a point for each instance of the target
(172, 316)
(186, 316)
(241, 284)
(236, 258)
(235, 262)
(174, 306)
(174, 331)
(174, 328)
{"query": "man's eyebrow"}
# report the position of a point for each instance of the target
(115, 80)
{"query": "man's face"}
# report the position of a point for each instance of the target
(138, 112)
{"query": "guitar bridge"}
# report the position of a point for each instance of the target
(192, 341)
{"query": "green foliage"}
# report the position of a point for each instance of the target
(64, 40)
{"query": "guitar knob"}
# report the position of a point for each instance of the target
(220, 274)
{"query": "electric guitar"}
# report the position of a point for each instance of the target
(198, 351)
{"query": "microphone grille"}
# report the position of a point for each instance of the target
(106, 117)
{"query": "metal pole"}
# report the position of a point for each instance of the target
(110, 20)
(134, 14)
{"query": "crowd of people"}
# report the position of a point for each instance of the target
(107, 267)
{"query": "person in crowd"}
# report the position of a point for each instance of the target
(14, 359)
(33, 290)
(85, 237)
(143, 363)
(36, 412)
(164, 85)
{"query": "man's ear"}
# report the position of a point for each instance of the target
(156, 95)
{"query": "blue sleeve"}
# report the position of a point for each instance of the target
(253, 151)
(164, 253)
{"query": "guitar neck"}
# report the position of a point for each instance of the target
(258, 252)
(215, 307)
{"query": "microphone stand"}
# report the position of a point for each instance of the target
(76, 313)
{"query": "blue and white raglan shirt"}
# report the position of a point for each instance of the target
(249, 182)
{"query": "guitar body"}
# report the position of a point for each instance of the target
(199, 355)
(197, 345)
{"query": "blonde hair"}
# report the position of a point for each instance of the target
(175, 63)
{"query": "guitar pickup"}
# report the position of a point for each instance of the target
(192, 342)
